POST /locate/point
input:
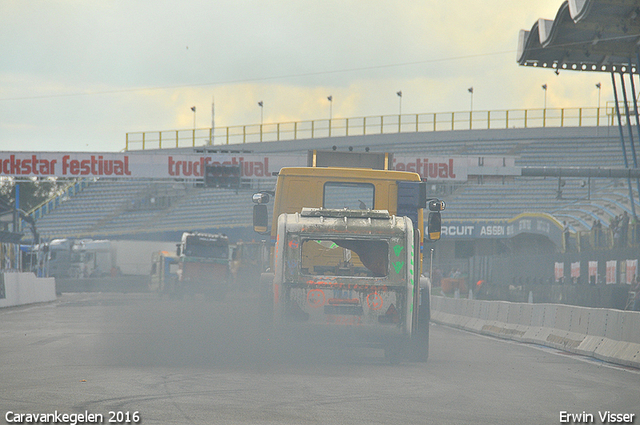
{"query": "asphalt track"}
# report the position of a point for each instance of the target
(196, 361)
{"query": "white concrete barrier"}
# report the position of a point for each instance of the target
(606, 334)
(26, 288)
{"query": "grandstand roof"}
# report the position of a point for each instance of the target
(586, 35)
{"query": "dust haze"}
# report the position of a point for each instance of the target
(196, 331)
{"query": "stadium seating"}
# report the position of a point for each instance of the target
(115, 208)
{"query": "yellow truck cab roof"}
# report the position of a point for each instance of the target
(349, 173)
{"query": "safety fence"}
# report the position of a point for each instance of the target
(601, 239)
(50, 204)
(383, 124)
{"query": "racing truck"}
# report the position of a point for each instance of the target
(355, 203)
(164, 267)
(353, 274)
(203, 265)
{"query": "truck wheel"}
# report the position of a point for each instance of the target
(419, 345)
(421, 337)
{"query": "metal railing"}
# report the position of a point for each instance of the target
(50, 204)
(383, 124)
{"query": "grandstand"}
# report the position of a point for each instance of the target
(160, 210)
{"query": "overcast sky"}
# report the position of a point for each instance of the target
(78, 75)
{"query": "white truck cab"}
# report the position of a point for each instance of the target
(350, 271)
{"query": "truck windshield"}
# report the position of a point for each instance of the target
(345, 257)
(206, 248)
(352, 196)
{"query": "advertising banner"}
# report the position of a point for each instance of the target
(575, 269)
(138, 164)
(541, 224)
(632, 270)
(558, 271)
(593, 271)
(612, 271)
(164, 164)
(433, 169)
(452, 168)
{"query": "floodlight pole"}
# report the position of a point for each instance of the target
(261, 105)
(431, 268)
(399, 110)
(470, 90)
(635, 107)
(330, 99)
(624, 148)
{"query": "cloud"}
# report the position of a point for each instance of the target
(81, 74)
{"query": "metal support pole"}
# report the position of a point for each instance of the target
(431, 267)
(579, 117)
(635, 108)
(624, 148)
(16, 207)
(627, 112)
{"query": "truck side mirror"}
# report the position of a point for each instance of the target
(436, 205)
(177, 250)
(434, 226)
(260, 198)
(260, 218)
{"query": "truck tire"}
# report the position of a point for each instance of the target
(419, 346)
(421, 343)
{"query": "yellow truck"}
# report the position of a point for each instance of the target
(345, 230)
